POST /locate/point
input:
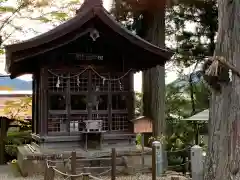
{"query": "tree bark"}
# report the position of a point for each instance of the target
(223, 158)
(154, 79)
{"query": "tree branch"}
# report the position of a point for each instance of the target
(6, 38)
(6, 21)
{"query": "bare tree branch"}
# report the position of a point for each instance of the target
(7, 20)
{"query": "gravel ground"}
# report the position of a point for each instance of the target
(7, 174)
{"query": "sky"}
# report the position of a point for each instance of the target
(171, 73)
(107, 4)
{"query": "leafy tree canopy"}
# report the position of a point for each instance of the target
(191, 45)
(16, 14)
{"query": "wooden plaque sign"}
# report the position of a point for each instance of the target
(86, 56)
(142, 125)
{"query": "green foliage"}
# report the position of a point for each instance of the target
(201, 96)
(18, 137)
(14, 139)
(182, 136)
(179, 105)
(190, 46)
(138, 139)
(161, 139)
(181, 133)
(61, 16)
(177, 102)
(43, 19)
(5, 9)
(178, 96)
(193, 46)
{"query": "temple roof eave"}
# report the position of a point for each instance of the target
(82, 17)
(77, 22)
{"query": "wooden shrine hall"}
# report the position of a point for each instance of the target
(83, 79)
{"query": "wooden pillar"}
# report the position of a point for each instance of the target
(33, 106)
(113, 162)
(37, 103)
(89, 102)
(109, 104)
(131, 103)
(73, 164)
(43, 101)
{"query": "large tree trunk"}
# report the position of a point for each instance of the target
(224, 124)
(154, 79)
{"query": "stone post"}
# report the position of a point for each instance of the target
(197, 162)
(159, 158)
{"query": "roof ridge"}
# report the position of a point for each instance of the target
(89, 4)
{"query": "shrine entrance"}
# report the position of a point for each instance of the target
(87, 95)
